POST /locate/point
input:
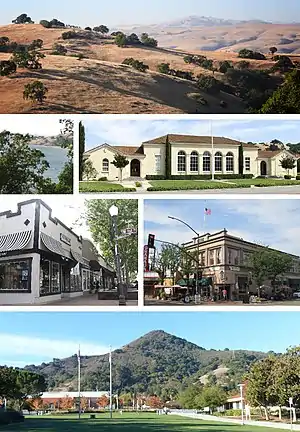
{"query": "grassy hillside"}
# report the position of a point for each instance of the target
(150, 364)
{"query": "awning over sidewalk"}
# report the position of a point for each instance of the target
(15, 241)
(53, 245)
(79, 258)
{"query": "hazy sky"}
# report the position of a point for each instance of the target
(134, 132)
(27, 338)
(43, 125)
(95, 12)
(260, 221)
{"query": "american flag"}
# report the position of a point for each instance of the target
(207, 211)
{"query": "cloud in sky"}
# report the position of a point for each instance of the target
(26, 349)
(45, 125)
(274, 223)
(134, 132)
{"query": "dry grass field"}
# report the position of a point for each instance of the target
(100, 84)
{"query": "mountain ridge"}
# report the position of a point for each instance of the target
(151, 364)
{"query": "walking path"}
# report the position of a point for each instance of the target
(282, 426)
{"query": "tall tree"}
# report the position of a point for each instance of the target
(99, 222)
(212, 397)
(241, 159)
(89, 172)
(288, 163)
(81, 148)
(27, 165)
(168, 165)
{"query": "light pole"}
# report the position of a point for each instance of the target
(79, 383)
(114, 211)
(241, 386)
(197, 261)
(110, 384)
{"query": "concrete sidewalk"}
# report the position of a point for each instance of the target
(280, 426)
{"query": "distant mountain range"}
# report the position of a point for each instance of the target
(49, 141)
(202, 33)
(152, 364)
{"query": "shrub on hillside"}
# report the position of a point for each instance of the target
(164, 68)
(45, 23)
(198, 98)
(136, 64)
(209, 84)
(59, 49)
(69, 35)
(243, 64)
(56, 23)
(7, 67)
(246, 53)
(35, 91)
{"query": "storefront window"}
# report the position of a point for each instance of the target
(211, 257)
(49, 277)
(15, 275)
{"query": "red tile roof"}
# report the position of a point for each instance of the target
(195, 139)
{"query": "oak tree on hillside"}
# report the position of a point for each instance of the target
(23, 19)
(35, 91)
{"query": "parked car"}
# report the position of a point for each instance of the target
(296, 295)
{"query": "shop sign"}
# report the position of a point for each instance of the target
(65, 239)
(237, 269)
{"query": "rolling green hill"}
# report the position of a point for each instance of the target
(151, 364)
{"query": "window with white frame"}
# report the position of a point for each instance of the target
(105, 165)
(181, 161)
(229, 162)
(247, 163)
(206, 162)
(218, 162)
(157, 163)
(194, 165)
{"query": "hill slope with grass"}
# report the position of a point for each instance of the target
(99, 83)
(150, 364)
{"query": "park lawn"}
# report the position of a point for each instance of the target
(161, 185)
(128, 422)
(103, 186)
(265, 182)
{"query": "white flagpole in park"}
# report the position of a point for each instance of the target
(110, 383)
(79, 383)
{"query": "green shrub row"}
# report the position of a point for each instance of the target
(277, 183)
(196, 187)
(201, 177)
(112, 189)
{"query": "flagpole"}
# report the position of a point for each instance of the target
(212, 152)
(110, 383)
(79, 383)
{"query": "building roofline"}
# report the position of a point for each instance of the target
(232, 237)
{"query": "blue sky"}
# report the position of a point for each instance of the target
(93, 12)
(270, 222)
(27, 338)
(134, 132)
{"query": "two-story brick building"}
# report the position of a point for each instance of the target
(225, 259)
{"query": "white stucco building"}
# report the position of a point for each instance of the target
(42, 260)
(189, 155)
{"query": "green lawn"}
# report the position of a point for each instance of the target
(103, 186)
(160, 185)
(126, 423)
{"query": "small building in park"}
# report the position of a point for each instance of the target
(55, 399)
(189, 155)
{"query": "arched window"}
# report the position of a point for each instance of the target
(194, 165)
(218, 162)
(105, 165)
(229, 162)
(206, 162)
(181, 161)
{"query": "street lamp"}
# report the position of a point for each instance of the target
(241, 386)
(114, 211)
(198, 252)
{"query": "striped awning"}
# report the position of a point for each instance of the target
(15, 241)
(53, 245)
(79, 258)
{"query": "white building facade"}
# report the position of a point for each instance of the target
(189, 155)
